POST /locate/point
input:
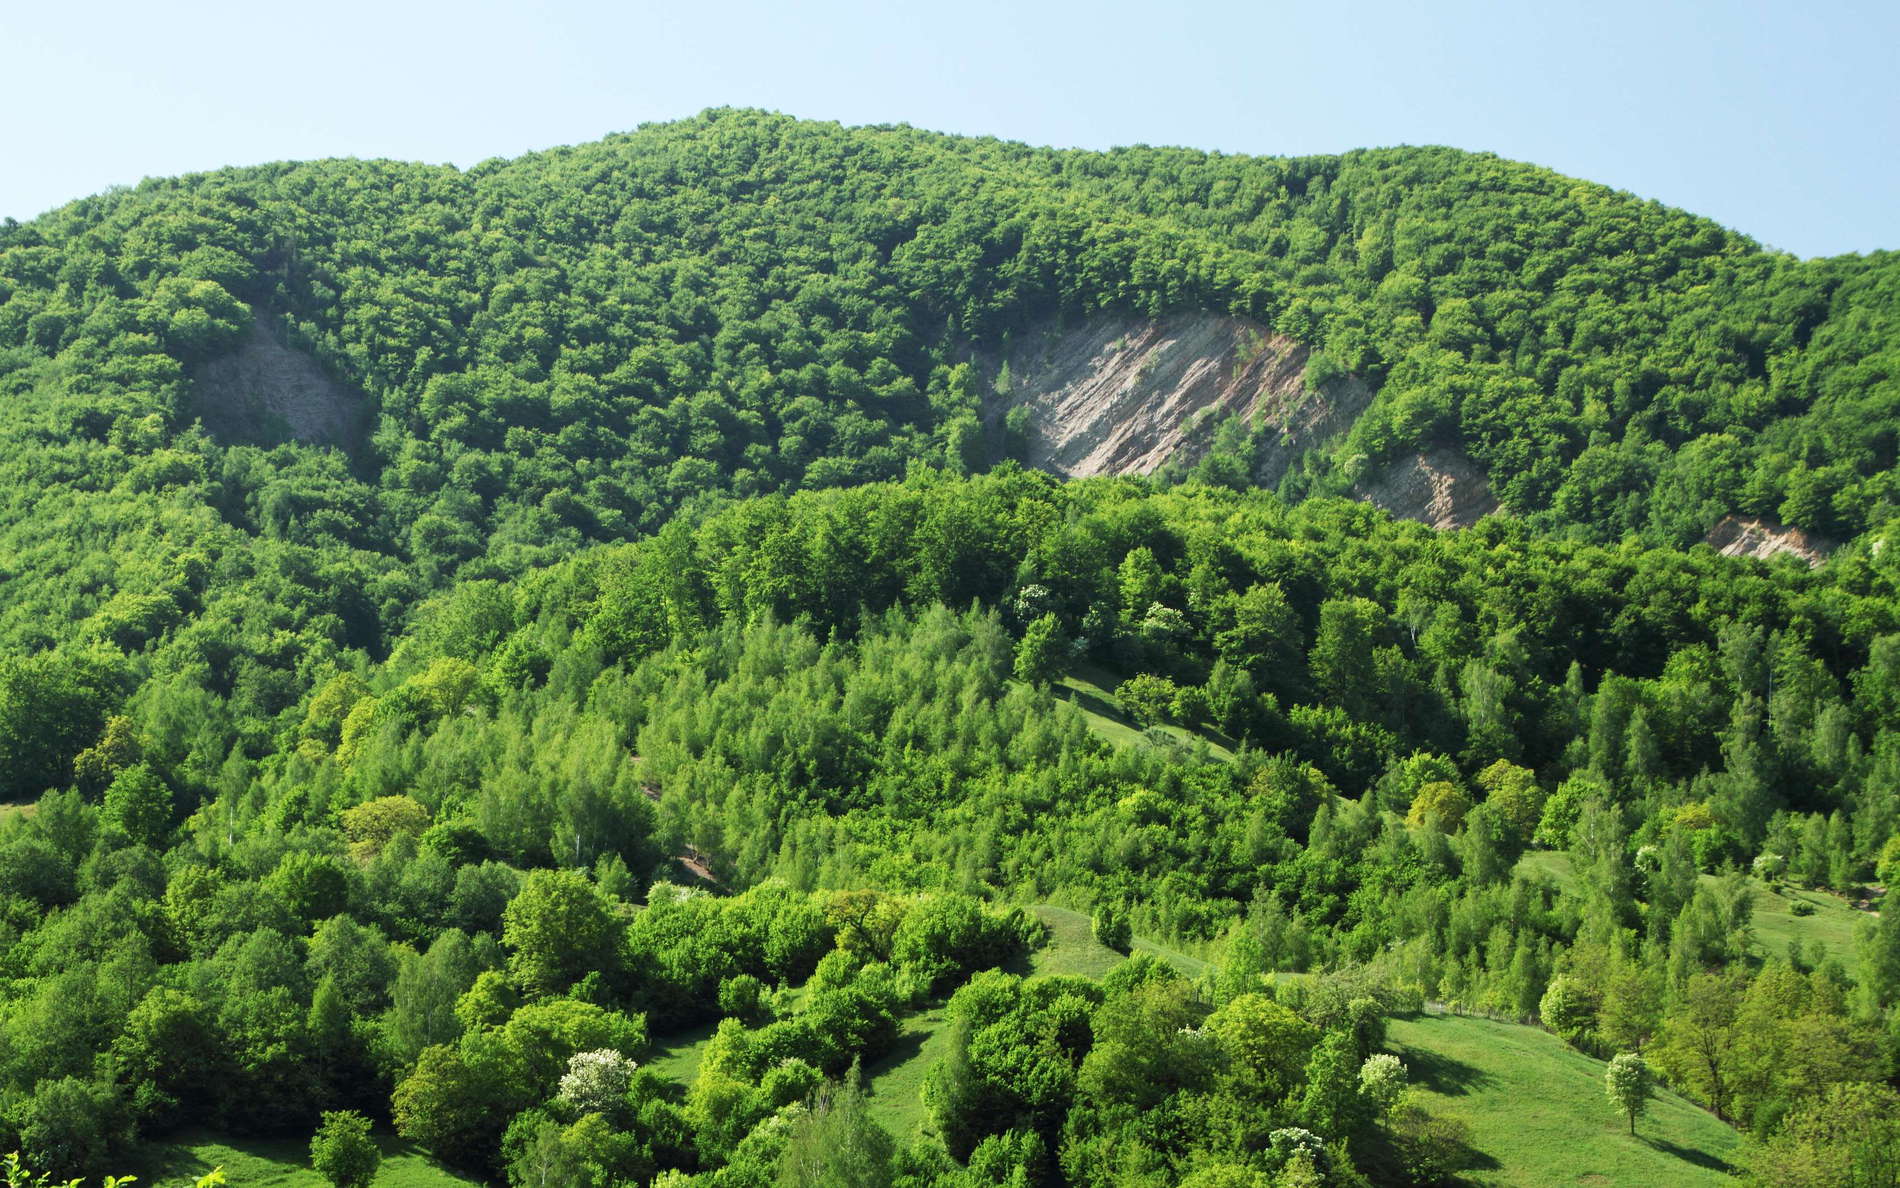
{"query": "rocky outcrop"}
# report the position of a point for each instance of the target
(1440, 487)
(1752, 536)
(1124, 395)
(266, 391)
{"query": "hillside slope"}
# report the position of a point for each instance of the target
(533, 354)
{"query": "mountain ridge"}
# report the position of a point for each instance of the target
(565, 347)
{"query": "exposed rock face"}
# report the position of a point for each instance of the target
(1123, 395)
(1440, 487)
(266, 392)
(1751, 536)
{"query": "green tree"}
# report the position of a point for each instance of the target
(558, 928)
(342, 1150)
(1147, 698)
(51, 704)
(1265, 1045)
(1331, 1105)
(1110, 926)
(1342, 656)
(1848, 1136)
(138, 806)
(1439, 805)
(1697, 1045)
(1630, 1085)
(836, 1143)
(1040, 654)
(1569, 1009)
(449, 1102)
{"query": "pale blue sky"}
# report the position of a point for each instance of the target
(1779, 119)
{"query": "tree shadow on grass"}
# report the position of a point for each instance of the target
(1096, 704)
(908, 1045)
(1440, 1073)
(1687, 1154)
(1436, 1151)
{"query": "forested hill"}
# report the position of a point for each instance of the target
(532, 353)
(407, 573)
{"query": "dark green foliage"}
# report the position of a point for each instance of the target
(1110, 927)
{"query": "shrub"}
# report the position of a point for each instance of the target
(1432, 1149)
(742, 997)
(342, 1150)
(1147, 699)
(1111, 928)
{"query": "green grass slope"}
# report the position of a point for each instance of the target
(1072, 948)
(1538, 1114)
(896, 1083)
(1535, 1107)
(677, 1056)
(1833, 922)
(1092, 690)
(281, 1164)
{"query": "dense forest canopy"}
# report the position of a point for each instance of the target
(639, 620)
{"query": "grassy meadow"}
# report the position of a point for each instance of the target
(281, 1164)
(1538, 1114)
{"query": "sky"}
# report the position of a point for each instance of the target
(1781, 120)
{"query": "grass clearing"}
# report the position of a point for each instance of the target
(22, 811)
(1073, 949)
(1833, 922)
(677, 1056)
(1092, 690)
(1537, 1111)
(281, 1163)
(895, 1084)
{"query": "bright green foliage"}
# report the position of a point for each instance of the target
(1109, 925)
(1515, 797)
(372, 825)
(667, 511)
(557, 928)
(1040, 654)
(343, 1152)
(1569, 1010)
(1848, 1137)
(1147, 698)
(836, 1143)
(1147, 1045)
(1330, 1105)
(1265, 1044)
(1439, 805)
(138, 806)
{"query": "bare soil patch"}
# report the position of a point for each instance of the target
(1125, 394)
(1752, 536)
(267, 392)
